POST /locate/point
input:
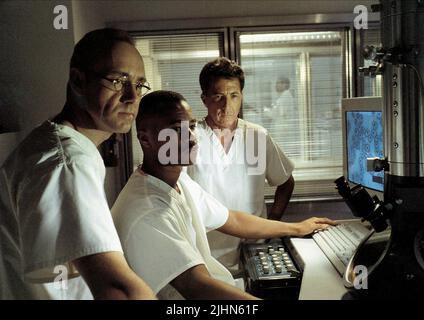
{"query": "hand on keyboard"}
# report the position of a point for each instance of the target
(310, 225)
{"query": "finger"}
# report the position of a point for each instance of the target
(323, 226)
(319, 227)
(326, 221)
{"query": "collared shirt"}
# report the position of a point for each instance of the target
(163, 232)
(53, 211)
(237, 178)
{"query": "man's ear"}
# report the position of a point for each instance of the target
(143, 138)
(203, 97)
(77, 81)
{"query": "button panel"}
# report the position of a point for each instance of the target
(272, 260)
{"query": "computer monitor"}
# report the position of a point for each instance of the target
(362, 125)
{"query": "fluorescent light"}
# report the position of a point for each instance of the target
(288, 36)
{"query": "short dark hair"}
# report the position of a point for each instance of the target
(157, 103)
(96, 45)
(283, 79)
(220, 68)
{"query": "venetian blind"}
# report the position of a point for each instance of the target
(174, 62)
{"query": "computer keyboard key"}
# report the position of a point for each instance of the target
(339, 242)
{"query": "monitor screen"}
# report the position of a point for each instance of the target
(364, 139)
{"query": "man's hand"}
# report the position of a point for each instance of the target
(312, 224)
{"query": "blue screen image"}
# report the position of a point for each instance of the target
(364, 135)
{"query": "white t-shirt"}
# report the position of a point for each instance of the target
(163, 233)
(53, 210)
(234, 179)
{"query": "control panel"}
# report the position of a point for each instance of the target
(273, 270)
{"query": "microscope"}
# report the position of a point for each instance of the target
(393, 255)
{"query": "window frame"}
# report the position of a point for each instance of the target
(128, 162)
(231, 46)
(347, 83)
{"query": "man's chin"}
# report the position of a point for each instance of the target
(178, 164)
(189, 163)
(227, 123)
(123, 129)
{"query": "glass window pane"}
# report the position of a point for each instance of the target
(264, 101)
(294, 89)
(174, 62)
(326, 96)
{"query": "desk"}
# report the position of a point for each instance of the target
(320, 279)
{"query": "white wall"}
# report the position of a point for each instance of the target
(86, 17)
(34, 59)
(131, 10)
(34, 62)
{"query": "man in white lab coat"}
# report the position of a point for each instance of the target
(57, 236)
(223, 168)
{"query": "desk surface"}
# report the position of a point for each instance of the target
(320, 279)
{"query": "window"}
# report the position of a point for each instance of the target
(174, 62)
(294, 89)
(294, 85)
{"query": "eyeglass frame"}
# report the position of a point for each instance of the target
(124, 83)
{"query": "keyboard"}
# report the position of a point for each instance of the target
(339, 242)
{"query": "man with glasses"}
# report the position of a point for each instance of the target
(226, 143)
(55, 221)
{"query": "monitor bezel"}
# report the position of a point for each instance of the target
(370, 104)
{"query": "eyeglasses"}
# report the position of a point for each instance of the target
(123, 82)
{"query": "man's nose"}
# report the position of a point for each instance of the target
(129, 93)
(225, 103)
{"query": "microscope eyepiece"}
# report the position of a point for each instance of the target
(343, 187)
(362, 204)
